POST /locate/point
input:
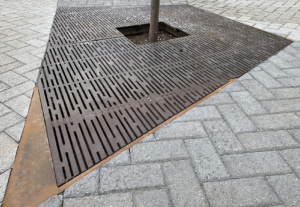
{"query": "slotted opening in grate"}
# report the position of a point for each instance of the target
(139, 34)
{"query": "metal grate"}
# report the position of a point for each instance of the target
(99, 91)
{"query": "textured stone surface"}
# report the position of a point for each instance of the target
(54, 201)
(9, 120)
(236, 118)
(89, 185)
(181, 130)
(15, 131)
(19, 104)
(3, 183)
(255, 164)
(130, 177)
(241, 192)
(292, 157)
(206, 160)
(158, 198)
(222, 136)
(121, 159)
(287, 187)
(158, 151)
(115, 200)
(277, 121)
(184, 187)
(282, 105)
(267, 140)
(200, 113)
(8, 149)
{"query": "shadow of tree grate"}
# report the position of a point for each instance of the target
(100, 92)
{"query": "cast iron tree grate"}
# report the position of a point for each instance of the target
(100, 92)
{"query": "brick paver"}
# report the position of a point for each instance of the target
(240, 147)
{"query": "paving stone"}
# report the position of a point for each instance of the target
(157, 198)
(28, 67)
(267, 140)
(12, 79)
(286, 56)
(88, 185)
(277, 121)
(290, 82)
(280, 63)
(158, 151)
(10, 66)
(283, 93)
(216, 99)
(206, 160)
(295, 133)
(26, 58)
(287, 188)
(3, 183)
(272, 70)
(236, 118)
(265, 79)
(32, 75)
(236, 86)
(3, 87)
(180, 130)
(130, 177)
(54, 201)
(249, 104)
(16, 43)
(200, 113)
(184, 187)
(9, 120)
(36, 43)
(282, 105)
(4, 110)
(122, 159)
(15, 131)
(223, 138)
(245, 77)
(115, 200)
(149, 138)
(19, 104)
(241, 192)
(293, 72)
(4, 59)
(295, 36)
(257, 90)
(255, 164)
(15, 91)
(8, 149)
(291, 25)
(292, 157)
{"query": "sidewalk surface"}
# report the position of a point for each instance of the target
(241, 147)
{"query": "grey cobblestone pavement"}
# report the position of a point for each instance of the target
(240, 147)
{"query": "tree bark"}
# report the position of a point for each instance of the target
(154, 21)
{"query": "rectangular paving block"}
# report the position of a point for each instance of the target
(11, 78)
(4, 110)
(5, 59)
(206, 160)
(295, 133)
(157, 198)
(9, 120)
(235, 86)
(288, 105)
(255, 164)
(249, 104)
(216, 99)
(149, 138)
(236, 118)
(19, 104)
(200, 113)
(222, 136)
(283, 93)
(265, 79)
(158, 151)
(115, 200)
(293, 72)
(267, 140)
(121, 159)
(3, 183)
(184, 187)
(277, 121)
(180, 130)
(257, 90)
(292, 157)
(130, 177)
(290, 82)
(272, 70)
(241, 192)
(287, 188)
(280, 62)
(15, 91)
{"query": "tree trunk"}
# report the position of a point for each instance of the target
(154, 21)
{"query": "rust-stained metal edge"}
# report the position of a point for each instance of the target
(32, 180)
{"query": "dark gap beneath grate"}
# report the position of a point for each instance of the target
(139, 34)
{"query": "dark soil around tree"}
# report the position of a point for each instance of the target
(143, 38)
